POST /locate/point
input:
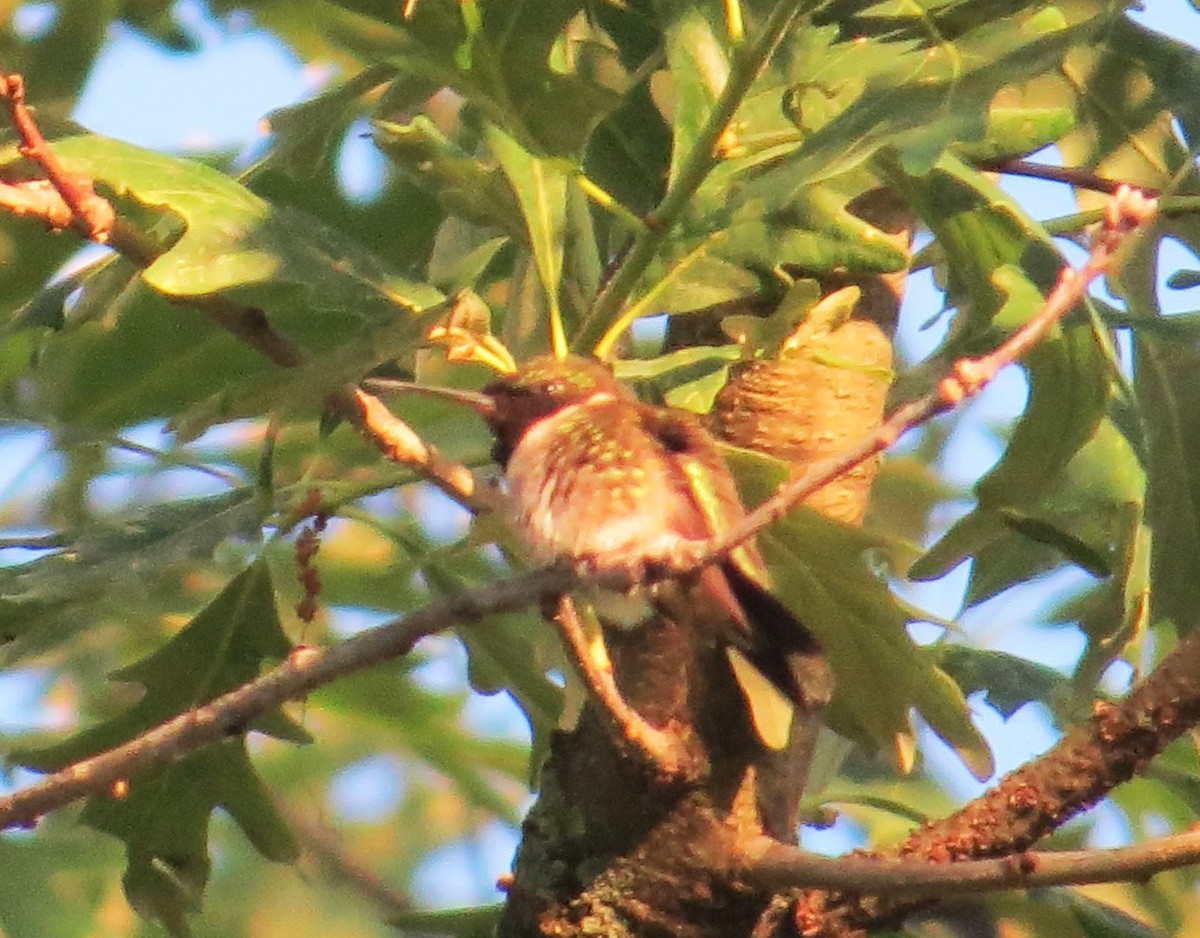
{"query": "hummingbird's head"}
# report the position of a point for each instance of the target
(543, 386)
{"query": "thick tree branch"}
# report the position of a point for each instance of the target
(1032, 801)
(304, 671)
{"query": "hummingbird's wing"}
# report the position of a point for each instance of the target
(775, 658)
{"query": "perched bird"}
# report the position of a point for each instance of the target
(597, 476)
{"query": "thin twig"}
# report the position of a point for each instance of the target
(1075, 176)
(663, 750)
(321, 840)
(86, 210)
(38, 198)
(305, 670)
(401, 444)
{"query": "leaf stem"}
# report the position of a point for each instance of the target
(746, 64)
(644, 306)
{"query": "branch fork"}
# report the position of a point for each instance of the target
(63, 200)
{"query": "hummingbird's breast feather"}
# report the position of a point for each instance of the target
(584, 485)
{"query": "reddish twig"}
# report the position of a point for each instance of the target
(80, 205)
(1070, 175)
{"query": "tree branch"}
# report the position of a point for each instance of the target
(401, 444)
(665, 751)
(1070, 175)
(778, 866)
(1027, 804)
(77, 202)
(305, 670)
(321, 840)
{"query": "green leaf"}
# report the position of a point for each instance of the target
(1098, 919)
(943, 96)
(509, 652)
(811, 230)
(115, 560)
(1007, 681)
(237, 244)
(999, 261)
(55, 883)
(63, 56)
(1016, 131)
(477, 922)
(541, 188)
(1091, 510)
(689, 276)
(464, 186)
(879, 673)
(1001, 264)
(163, 817)
(1184, 279)
(215, 242)
(1177, 771)
(32, 258)
(304, 135)
(509, 65)
(129, 355)
(1167, 375)
(500, 659)
(689, 377)
(699, 68)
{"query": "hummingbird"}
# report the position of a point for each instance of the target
(608, 482)
(599, 477)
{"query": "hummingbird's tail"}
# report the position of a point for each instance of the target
(775, 654)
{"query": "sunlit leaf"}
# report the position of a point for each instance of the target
(163, 816)
(879, 673)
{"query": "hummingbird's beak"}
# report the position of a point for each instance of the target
(478, 402)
